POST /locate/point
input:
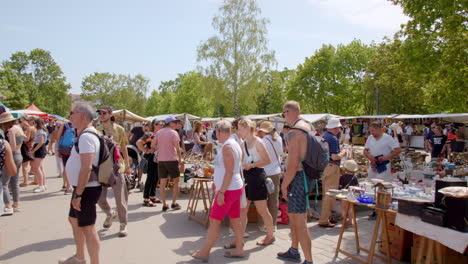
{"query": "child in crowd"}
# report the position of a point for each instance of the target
(346, 180)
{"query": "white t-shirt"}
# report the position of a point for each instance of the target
(409, 130)
(219, 171)
(88, 143)
(209, 135)
(383, 146)
(399, 130)
(274, 167)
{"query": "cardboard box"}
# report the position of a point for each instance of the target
(400, 241)
(449, 256)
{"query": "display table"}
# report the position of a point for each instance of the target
(453, 239)
(200, 191)
(381, 222)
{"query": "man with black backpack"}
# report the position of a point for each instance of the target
(117, 133)
(331, 173)
(86, 189)
(296, 184)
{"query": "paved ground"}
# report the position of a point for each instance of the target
(40, 233)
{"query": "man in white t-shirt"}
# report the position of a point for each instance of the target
(86, 188)
(380, 148)
(408, 133)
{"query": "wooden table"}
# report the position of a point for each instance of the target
(200, 191)
(381, 217)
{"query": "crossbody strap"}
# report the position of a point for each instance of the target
(276, 153)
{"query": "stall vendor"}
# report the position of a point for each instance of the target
(380, 148)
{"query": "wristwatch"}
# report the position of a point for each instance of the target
(77, 196)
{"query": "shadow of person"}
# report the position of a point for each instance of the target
(39, 246)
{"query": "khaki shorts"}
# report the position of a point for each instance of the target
(168, 169)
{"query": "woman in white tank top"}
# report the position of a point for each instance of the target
(255, 158)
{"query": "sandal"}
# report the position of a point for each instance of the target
(263, 243)
(23, 184)
(155, 200)
(148, 203)
(202, 258)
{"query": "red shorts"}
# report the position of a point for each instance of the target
(230, 207)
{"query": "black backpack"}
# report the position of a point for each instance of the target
(317, 154)
(107, 170)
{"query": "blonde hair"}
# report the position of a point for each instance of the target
(224, 126)
(293, 106)
(245, 122)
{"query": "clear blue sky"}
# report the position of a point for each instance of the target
(159, 38)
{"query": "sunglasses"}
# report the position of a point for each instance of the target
(102, 113)
(283, 114)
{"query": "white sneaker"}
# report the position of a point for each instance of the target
(39, 189)
(109, 218)
(72, 260)
(123, 230)
(231, 232)
(7, 211)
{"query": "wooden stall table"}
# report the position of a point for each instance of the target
(381, 221)
(200, 191)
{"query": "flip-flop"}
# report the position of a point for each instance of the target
(228, 254)
(266, 244)
(148, 204)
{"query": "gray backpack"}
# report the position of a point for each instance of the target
(317, 154)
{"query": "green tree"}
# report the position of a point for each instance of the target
(239, 53)
(273, 97)
(118, 90)
(435, 44)
(38, 80)
(332, 80)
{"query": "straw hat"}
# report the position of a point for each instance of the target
(266, 127)
(350, 165)
(6, 117)
(333, 123)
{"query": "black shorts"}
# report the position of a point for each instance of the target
(168, 169)
(65, 159)
(400, 138)
(41, 152)
(87, 215)
(26, 153)
(256, 189)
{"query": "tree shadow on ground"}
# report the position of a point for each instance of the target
(39, 246)
(40, 196)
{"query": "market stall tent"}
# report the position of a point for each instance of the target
(20, 113)
(33, 107)
(179, 116)
(312, 118)
(125, 115)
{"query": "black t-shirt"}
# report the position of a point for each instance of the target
(347, 180)
(438, 143)
(137, 134)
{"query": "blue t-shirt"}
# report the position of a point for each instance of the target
(333, 144)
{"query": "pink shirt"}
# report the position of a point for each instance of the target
(166, 138)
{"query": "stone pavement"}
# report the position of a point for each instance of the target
(40, 233)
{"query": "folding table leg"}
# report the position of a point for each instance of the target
(370, 259)
(343, 226)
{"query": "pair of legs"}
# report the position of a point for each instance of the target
(168, 169)
(121, 198)
(273, 200)
(262, 210)
(12, 182)
(330, 181)
(85, 236)
(37, 168)
(175, 190)
(149, 194)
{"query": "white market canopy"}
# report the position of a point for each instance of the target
(453, 118)
(312, 118)
(179, 116)
(125, 115)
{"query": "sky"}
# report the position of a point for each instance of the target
(159, 38)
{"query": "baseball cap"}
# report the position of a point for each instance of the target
(171, 119)
(106, 108)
